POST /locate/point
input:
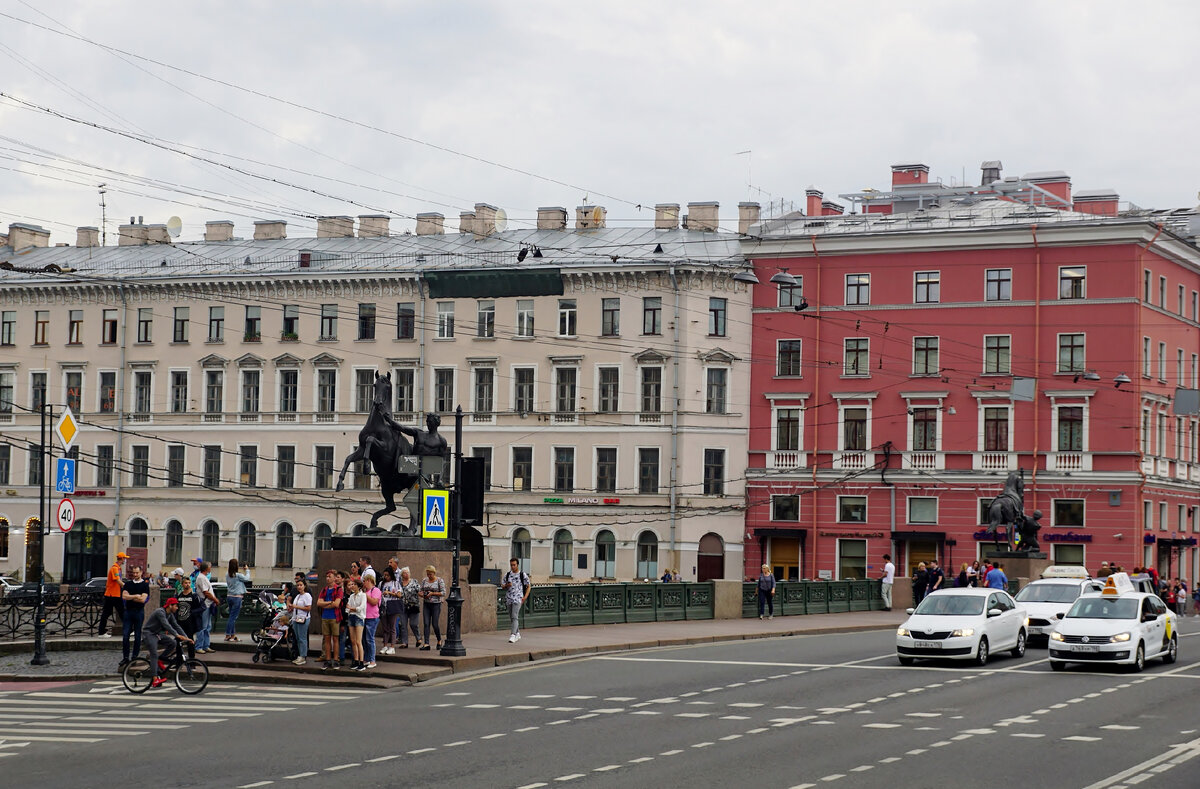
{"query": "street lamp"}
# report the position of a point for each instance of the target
(39, 616)
(453, 646)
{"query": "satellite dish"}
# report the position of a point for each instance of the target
(174, 227)
(597, 215)
(501, 220)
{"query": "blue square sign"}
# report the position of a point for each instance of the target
(64, 475)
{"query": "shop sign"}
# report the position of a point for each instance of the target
(578, 500)
(82, 492)
(1066, 537)
(862, 535)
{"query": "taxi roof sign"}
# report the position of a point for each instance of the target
(1065, 571)
(1116, 585)
(67, 429)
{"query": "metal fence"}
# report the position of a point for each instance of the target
(74, 613)
(552, 605)
(816, 597)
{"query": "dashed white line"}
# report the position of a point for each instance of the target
(692, 714)
(729, 737)
(1081, 738)
(889, 760)
(420, 751)
(484, 737)
(834, 777)
(702, 745)
(563, 709)
(524, 707)
(1028, 734)
(646, 712)
(387, 758)
(579, 698)
(252, 786)
(527, 728)
(1119, 727)
(337, 767)
(916, 751)
(298, 775)
(641, 759)
(533, 786)
(482, 706)
(671, 753)
(608, 767)
(621, 698)
(881, 726)
(447, 745)
(735, 717)
(862, 768)
(570, 777)
(755, 731)
(939, 744)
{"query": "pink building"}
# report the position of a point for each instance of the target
(940, 337)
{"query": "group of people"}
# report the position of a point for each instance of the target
(928, 578)
(1173, 591)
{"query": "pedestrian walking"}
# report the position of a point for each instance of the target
(188, 619)
(112, 596)
(885, 583)
(920, 583)
(389, 612)
(936, 578)
(371, 621)
(410, 610)
(235, 592)
(996, 579)
(516, 588)
(300, 606)
(203, 588)
(134, 595)
(433, 589)
(766, 592)
(356, 614)
(973, 574)
(329, 602)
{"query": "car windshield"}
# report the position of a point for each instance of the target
(1048, 593)
(950, 605)
(1104, 608)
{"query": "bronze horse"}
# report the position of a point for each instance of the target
(380, 444)
(1007, 509)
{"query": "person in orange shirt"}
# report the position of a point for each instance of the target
(113, 605)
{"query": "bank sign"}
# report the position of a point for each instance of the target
(435, 514)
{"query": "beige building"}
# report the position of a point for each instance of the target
(603, 373)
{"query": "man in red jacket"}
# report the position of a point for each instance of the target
(113, 605)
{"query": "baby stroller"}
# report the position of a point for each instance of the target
(275, 638)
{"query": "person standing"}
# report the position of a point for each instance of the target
(189, 623)
(134, 595)
(330, 604)
(371, 621)
(367, 569)
(516, 588)
(112, 596)
(202, 588)
(766, 592)
(300, 606)
(433, 589)
(390, 610)
(963, 579)
(885, 583)
(937, 578)
(356, 614)
(920, 582)
(996, 579)
(410, 609)
(235, 592)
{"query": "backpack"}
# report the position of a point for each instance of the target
(524, 583)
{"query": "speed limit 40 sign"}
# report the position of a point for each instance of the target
(66, 514)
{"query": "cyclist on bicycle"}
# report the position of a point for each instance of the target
(162, 626)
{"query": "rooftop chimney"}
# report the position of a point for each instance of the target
(703, 216)
(22, 236)
(666, 216)
(485, 219)
(589, 217)
(830, 208)
(552, 218)
(1056, 182)
(466, 222)
(335, 227)
(1101, 202)
(431, 224)
(812, 203)
(87, 237)
(373, 225)
(909, 174)
(132, 235)
(748, 214)
(219, 230)
(991, 171)
(270, 230)
(157, 234)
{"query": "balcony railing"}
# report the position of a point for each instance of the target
(994, 461)
(564, 417)
(249, 417)
(786, 459)
(853, 460)
(324, 416)
(1069, 461)
(483, 417)
(649, 417)
(924, 460)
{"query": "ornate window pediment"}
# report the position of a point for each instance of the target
(650, 356)
(249, 360)
(325, 360)
(213, 360)
(287, 360)
(717, 356)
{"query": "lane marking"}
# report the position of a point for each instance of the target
(1081, 738)
(383, 758)
(671, 753)
(527, 728)
(487, 737)
(1119, 727)
(298, 775)
(570, 777)
(342, 767)
(456, 744)
(420, 751)
(641, 759)
(1028, 734)
(608, 767)
(862, 768)
(253, 785)
(881, 726)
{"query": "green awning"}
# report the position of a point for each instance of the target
(494, 283)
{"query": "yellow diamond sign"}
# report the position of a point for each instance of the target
(67, 430)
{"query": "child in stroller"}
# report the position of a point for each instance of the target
(275, 639)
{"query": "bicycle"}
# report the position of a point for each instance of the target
(191, 675)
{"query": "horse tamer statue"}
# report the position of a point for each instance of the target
(1008, 510)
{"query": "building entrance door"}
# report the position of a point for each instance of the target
(921, 551)
(710, 561)
(785, 558)
(85, 551)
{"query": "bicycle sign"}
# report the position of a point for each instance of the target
(66, 515)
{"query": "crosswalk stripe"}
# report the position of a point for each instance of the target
(63, 739)
(80, 724)
(21, 731)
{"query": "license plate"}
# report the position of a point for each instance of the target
(929, 645)
(1085, 648)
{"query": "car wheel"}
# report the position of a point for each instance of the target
(1172, 653)
(1019, 649)
(981, 655)
(1057, 665)
(1139, 658)
(904, 661)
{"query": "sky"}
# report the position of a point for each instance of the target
(252, 110)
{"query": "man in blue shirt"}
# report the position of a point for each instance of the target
(996, 579)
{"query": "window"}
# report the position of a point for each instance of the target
(717, 310)
(283, 545)
(787, 429)
(176, 454)
(927, 287)
(791, 295)
(785, 508)
(1162, 516)
(248, 466)
(8, 326)
(37, 390)
(648, 470)
(212, 467)
(484, 454)
(179, 325)
(141, 392)
(609, 398)
(290, 330)
(326, 391)
(716, 390)
(141, 466)
(289, 385)
(787, 354)
(1071, 282)
(137, 533)
(75, 327)
(523, 402)
(1161, 435)
(568, 317)
(925, 356)
(445, 320)
(854, 429)
(1182, 291)
(251, 386)
(443, 390)
(485, 319)
(210, 539)
(285, 467)
(108, 392)
(852, 509)
(852, 560)
(405, 385)
(1146, 279)
(858, 289)
(329, 319)
(1179, 371)
(41, 325)
(104, 466)
(651, 390)
(366, 321)
(652, 315)
(610, 317)
(6, 392)
(1162, 361)
(564, 469)
(606, 555)
(1068, 512)
(406, 320)
(521, 544)
(145, 322)
(924, 424)
(522, 468)
(525, 318)
(998, 284)
(485, 391)
(1146, 365)
(1195, 306)
(561, 564)
(74, 387)
(606, 469)
(647, 555)
(1162, 292)
(714, 472)
(35, 466)
(854, 358)
(922, 509)
(364, 390)
(565, 389)
(324, 467)
(995, 429)
(5, 464)
(216, 324)
(1070, 353)
(179, 391)
(173, 545)
(246, 544)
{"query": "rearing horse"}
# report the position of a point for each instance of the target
(1007, 509)
(382, 446)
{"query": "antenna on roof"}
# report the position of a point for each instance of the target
(174, 227)
(103, 216)
(501, 220)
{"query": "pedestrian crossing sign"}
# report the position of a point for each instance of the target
(435, 513)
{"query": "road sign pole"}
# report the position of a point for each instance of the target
(454, 645)
(39, 620)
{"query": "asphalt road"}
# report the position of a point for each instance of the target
(801, 711)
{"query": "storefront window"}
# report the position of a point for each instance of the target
(852, 560)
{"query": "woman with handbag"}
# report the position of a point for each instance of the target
(410, 608)
(433, 589)
(393, 601)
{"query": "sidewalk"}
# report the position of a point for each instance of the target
(484, 650)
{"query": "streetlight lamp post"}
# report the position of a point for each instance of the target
(453, 647)
(39, 616)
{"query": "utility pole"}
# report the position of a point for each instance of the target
(39, 621)
(103, 216)
(453, 647)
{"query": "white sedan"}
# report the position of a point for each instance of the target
(1125, 629)
(962, 624)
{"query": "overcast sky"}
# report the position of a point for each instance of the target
(622, 103)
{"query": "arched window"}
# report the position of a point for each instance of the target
(283, 545)
(710, 559)
(606, 555)
(647, 556)
(562, 553)
(521, 548)
(245, 545)
(173, 549)
(137, 533)
(357, 529)
(322, 540)
(210, 541)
